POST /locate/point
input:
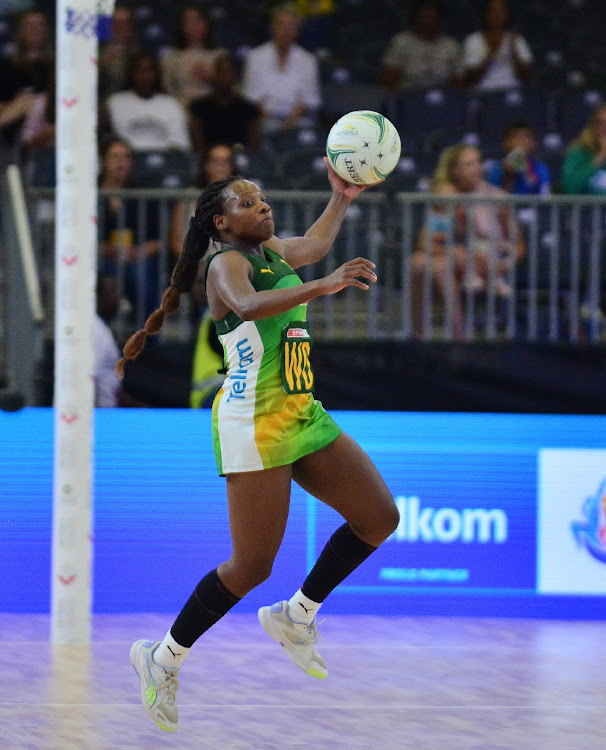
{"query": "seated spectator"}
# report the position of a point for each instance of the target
(460, 172)
(146, 119)
(224, 116)
(186, 70)
(584, 168)
(496, 58)
(26, 73)
(121, 245)
(38, 130)
(422, 56)
(283, 78)
(519, 172)
(218, 164)
(115, 54)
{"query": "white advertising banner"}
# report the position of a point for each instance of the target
(571, 531)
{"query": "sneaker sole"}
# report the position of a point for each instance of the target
(269, 626)
(134, 653)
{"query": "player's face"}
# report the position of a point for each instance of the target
(246, 214)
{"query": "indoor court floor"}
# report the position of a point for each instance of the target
(395, 683)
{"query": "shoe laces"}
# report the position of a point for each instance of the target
(312, 632)
(169, 688)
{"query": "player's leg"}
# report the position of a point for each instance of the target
(344, 477)
(258, 510)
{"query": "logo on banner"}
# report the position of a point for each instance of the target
(446, 525)
(591, 533)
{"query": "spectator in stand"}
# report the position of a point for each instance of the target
(218, 164)
(38, 130)
(584, 168)
(146, 119)
(283, 78)
(460, 172)
(496, 58)
(423, 56)
(224, 116)
(187, 70)
(108, 389)
(120, 241)
(115, 54)
(519, 172)
(26, 73)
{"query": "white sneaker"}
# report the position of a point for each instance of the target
(158, 685)
(297, 639)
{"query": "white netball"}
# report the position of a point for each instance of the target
(363, 147)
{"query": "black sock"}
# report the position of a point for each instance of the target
(343, 552)
(208, 603)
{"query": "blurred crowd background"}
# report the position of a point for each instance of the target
(491, 97)
(523, 79)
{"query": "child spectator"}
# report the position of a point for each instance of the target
(460, 172)
(519, 172)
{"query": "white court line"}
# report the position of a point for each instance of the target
(332, 707)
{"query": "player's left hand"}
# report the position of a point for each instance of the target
(341, 186)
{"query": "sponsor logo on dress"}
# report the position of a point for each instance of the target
(297, 333)
(239, 375)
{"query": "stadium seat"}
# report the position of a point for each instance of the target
(40, 169)
(340, 98)
(170, 169)
(289, 140)
(304, 169)
(575, 107)
(431, 110)
(261, 168)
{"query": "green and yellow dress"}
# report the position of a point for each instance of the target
(265, 415)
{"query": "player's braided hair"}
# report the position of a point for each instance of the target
(201, 230)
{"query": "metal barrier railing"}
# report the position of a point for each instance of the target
(450, 268)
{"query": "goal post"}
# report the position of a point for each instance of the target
(78, 25)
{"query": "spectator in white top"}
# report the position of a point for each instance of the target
(496, 58)
(146, 119)
(282, 78)
(423, 56)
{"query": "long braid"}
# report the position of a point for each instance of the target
(201, 230)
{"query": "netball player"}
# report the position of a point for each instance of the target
(267, 428)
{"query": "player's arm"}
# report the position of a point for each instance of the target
(301, 251)
(229, 276)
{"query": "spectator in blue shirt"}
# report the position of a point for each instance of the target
(519, 172)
